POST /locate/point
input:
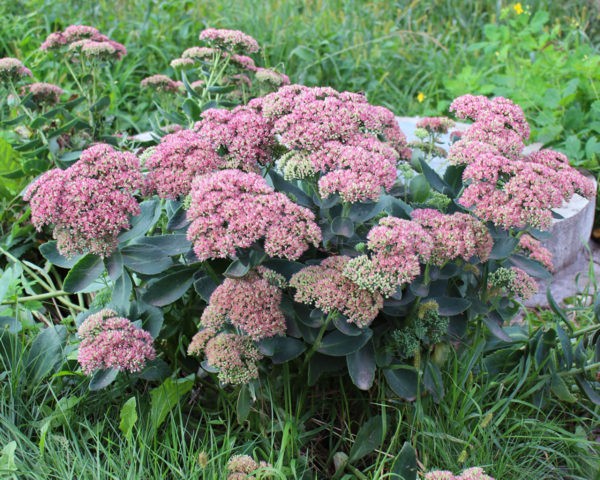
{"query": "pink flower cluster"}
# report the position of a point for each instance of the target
(474, 473)
(272, 77)
(337, 135)
(504, 186)
(235, 356)
(458, 235)
(241, 136)
(86, 40)
(110, 341)
(161, 83)
(43, 93)
(397, 246)
(516, 281)
(325, 287)
(231, 209)
(90, 202)
(233, 40)
(176, 160)
(533, 249)
(251, 304)
(436, 124)
(12, 69)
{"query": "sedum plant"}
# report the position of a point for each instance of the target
(289, 230)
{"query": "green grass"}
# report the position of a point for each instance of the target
(481, 421)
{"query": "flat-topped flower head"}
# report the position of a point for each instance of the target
(200, 53)
(12, 70)
(86, 41)
(110, 341)
(176, 161)
(235, 357)
(232, 40)
(533, 249)
(473, 473)
(43, 94)
(231, 209)
(397, 247)
(514, 281)
(271, 77)
(89, 203)
(325, 287)
(458, 235)
(160, 83)
(250, 304)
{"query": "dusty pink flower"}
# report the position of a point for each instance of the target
(458, 235)
(160, 83)
(397, 247)
(87, 41)
(272, 77)
(533, 249)
(515, 281)
(235, 356)
(90, 202)
(230, 39)
(250, 304)
(243, 62)
(516, 193)
(176, 160)
(110, 341)
(200, 53)
(231, 209)
(241, 466)
(325, 287)
(436, 124)
(474, 473)
(241, 136)
(43, 93)
(181, 63)
(199, 341)
(12, 69)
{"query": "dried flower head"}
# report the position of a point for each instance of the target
(110, 341)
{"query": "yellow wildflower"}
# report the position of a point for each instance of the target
(420, 97)
(518, 8)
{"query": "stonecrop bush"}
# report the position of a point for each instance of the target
(296, 227)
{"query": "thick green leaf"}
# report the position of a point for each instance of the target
(494, 322)
(46, 353)
(342, 226)
(291, 190)
(169, 288)
(204, 287)
(128, 417)
(178, 220)
(361, 366)
(588, 390)
(344, 326)
(175, 244)
(532, 267)
(122, 291)
(103, 378)
(405, 464)
(87, 269)
(432, 379)
(146, 259)
(403, 381)
(503, 247)
(370, 436)
(287, 268)
(166, 396)
(450, 306)
(114, 265)
(237, 269)
(50, 253)
(561, 390)
(434, 179)
(149, 214)
(155, 370)
(282, 349)
(243, 404)
(336, 344)
(361, 212)
(419, 188)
